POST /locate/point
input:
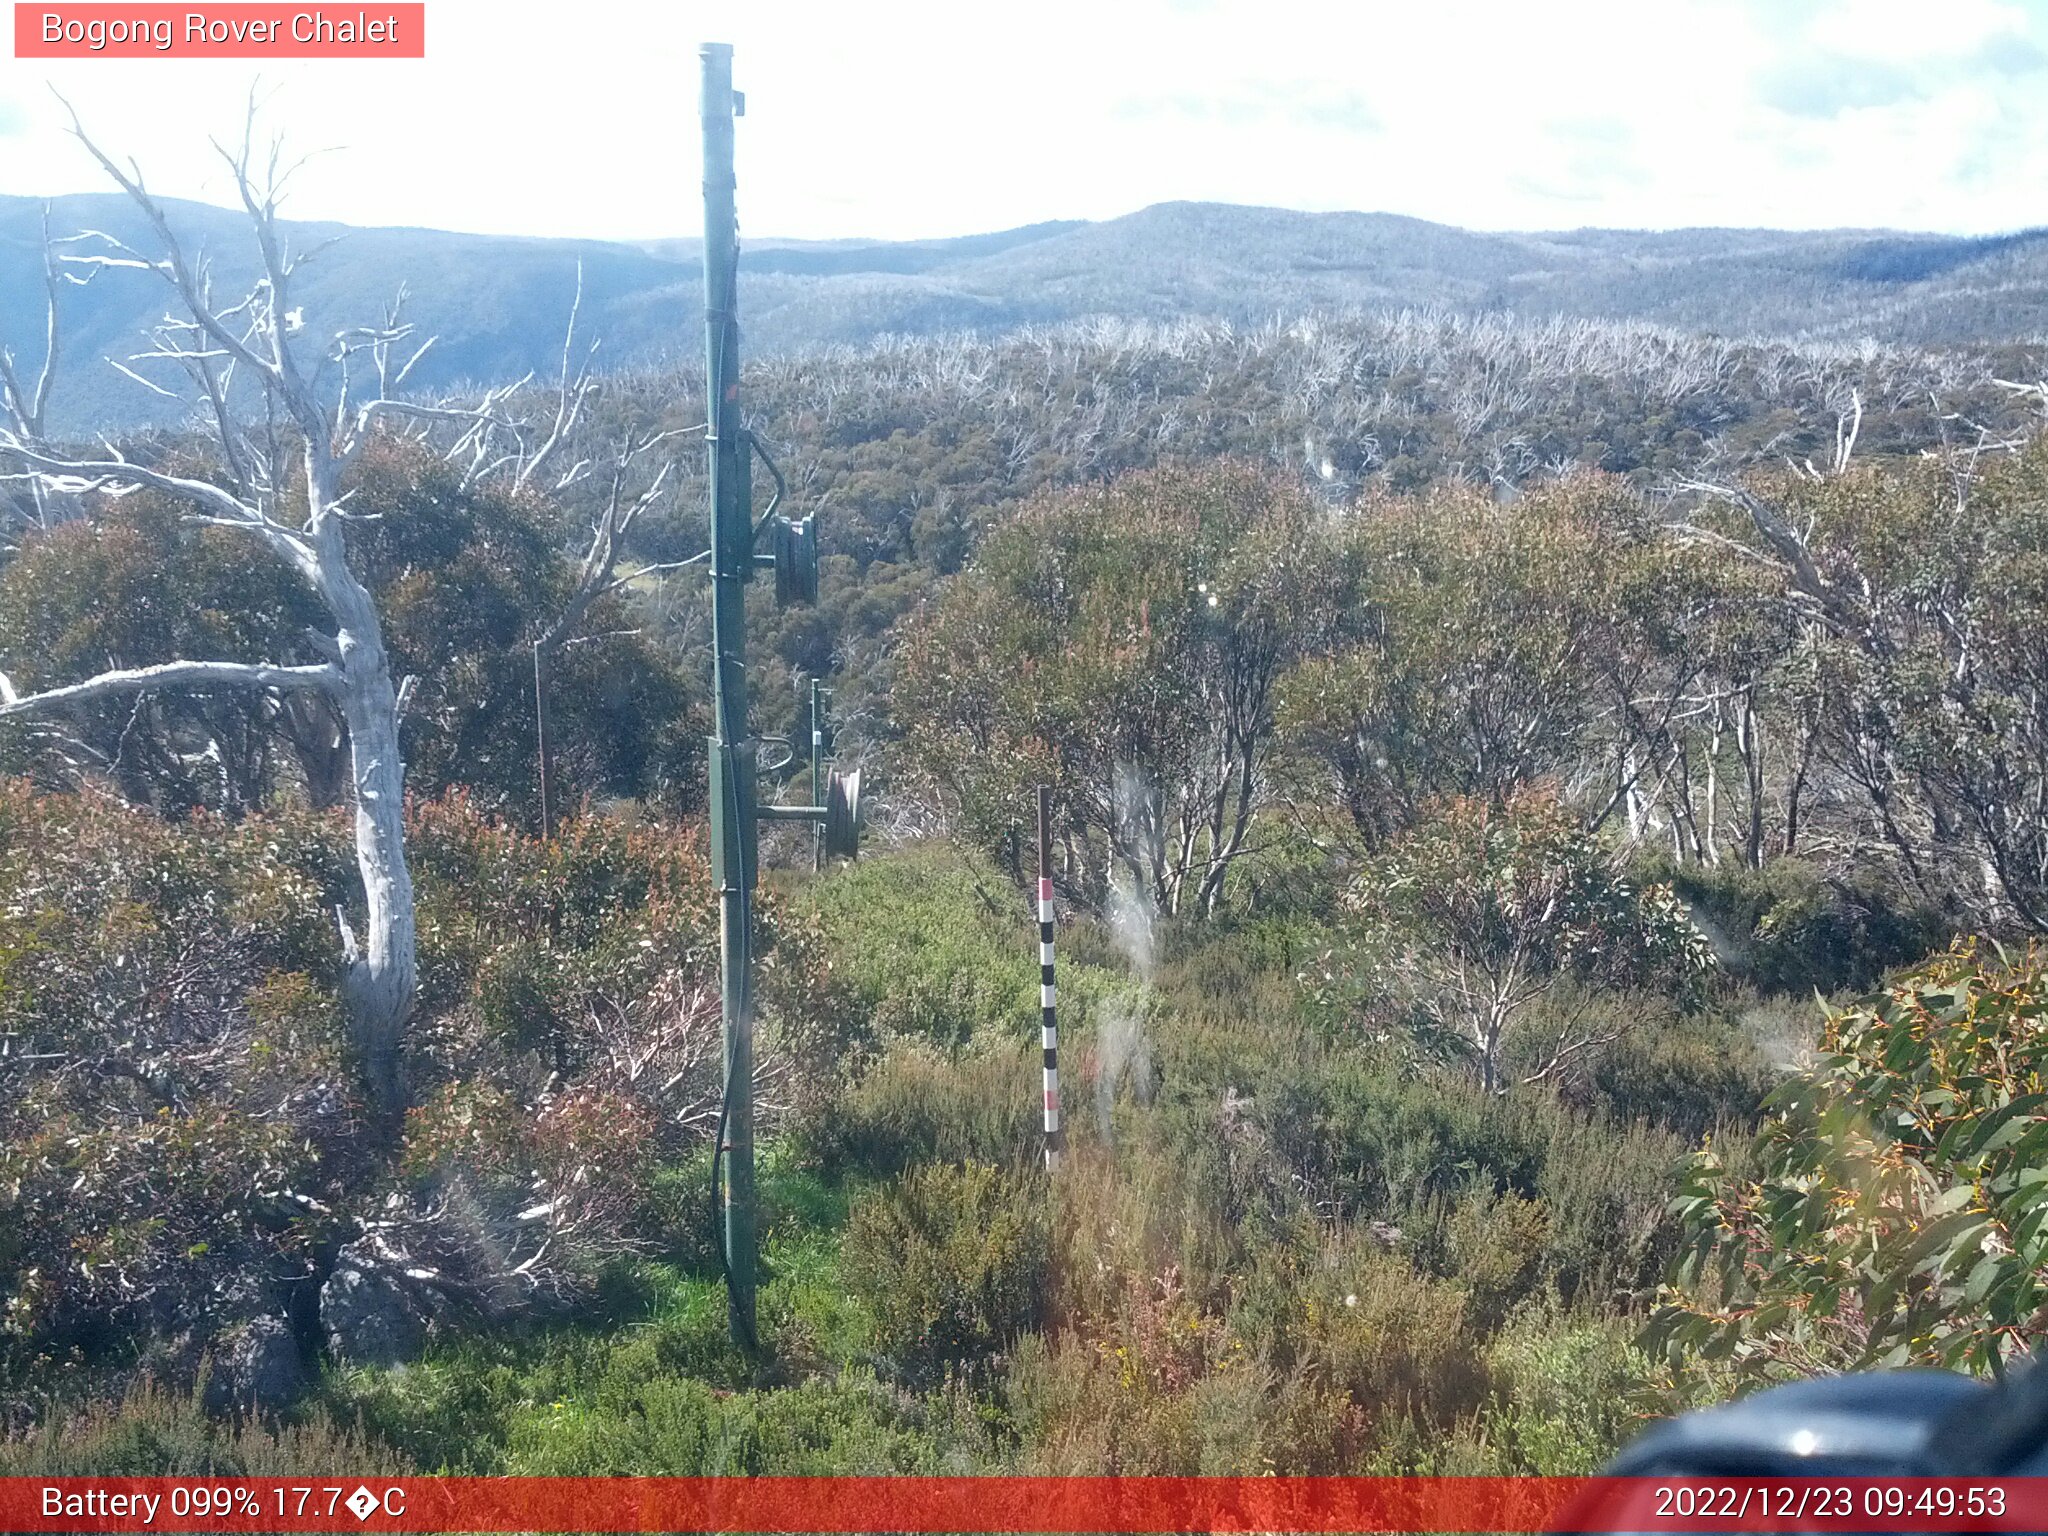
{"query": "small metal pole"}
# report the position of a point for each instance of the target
(1049, 1029)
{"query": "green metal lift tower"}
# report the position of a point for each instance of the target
(736, 813)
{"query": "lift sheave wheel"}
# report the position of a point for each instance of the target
(842, 815)
(796, 561)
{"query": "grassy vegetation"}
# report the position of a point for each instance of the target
(1294, 1248)
(1371, 1160)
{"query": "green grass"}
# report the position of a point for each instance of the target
(474, 1401)
(1296, 1254)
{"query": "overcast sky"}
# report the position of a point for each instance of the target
(895, 118)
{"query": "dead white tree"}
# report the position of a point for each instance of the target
(285, 437)
(596, 576)
(25, 406)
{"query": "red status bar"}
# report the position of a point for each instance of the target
(1023, 1504)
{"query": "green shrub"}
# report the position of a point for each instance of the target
(459, 1408)
(1497, 1242)
(1790, 928)
(1488, 906)
(1691, 1075)
(1566, 1393)
(816, 1323)
(180, 1127)
(174, 1059)
(677, 1217)
(1608, 1191)
(1190, 1193)
(1159, 1382)
(1400, 1343)
(1895, 1208)
(674, 1427)
(1083, 1407)
(951, 1261)
(1240, 970)
(917, 1105)
(447, 1413)
(930, 944)
(151, 1432)
(1376, 1145)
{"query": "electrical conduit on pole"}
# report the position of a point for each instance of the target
(817, 772)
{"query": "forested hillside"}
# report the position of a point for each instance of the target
(497, 303)
(913, 448)
(1550, 826)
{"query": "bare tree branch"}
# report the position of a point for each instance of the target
(169, 674)
(572, 390)
(118, 473)
(1790, 548)
(29, 406)
(608, 537)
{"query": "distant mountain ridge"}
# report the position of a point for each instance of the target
(498, 303)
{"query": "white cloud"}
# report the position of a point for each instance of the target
(910, 117)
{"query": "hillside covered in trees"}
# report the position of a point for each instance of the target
(496, 302)
(1550, 826)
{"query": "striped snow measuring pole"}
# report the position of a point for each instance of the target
(1049, 1028)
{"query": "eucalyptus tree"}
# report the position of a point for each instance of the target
(1126, 643)
(1496, 645)
(287, 417)
(1472, 669)
(1888, 1211)
(120, 588)
(1484, 908)
(1922, 589)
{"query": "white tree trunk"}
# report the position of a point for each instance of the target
(383, 972)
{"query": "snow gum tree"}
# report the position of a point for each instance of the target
(285, 418)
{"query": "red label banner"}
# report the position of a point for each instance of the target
(223, 31)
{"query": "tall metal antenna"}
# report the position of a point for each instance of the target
(736, 814)
(733, 837)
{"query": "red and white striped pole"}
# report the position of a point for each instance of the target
(1048, 1027)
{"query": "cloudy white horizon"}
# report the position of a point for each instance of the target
(902, 120)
